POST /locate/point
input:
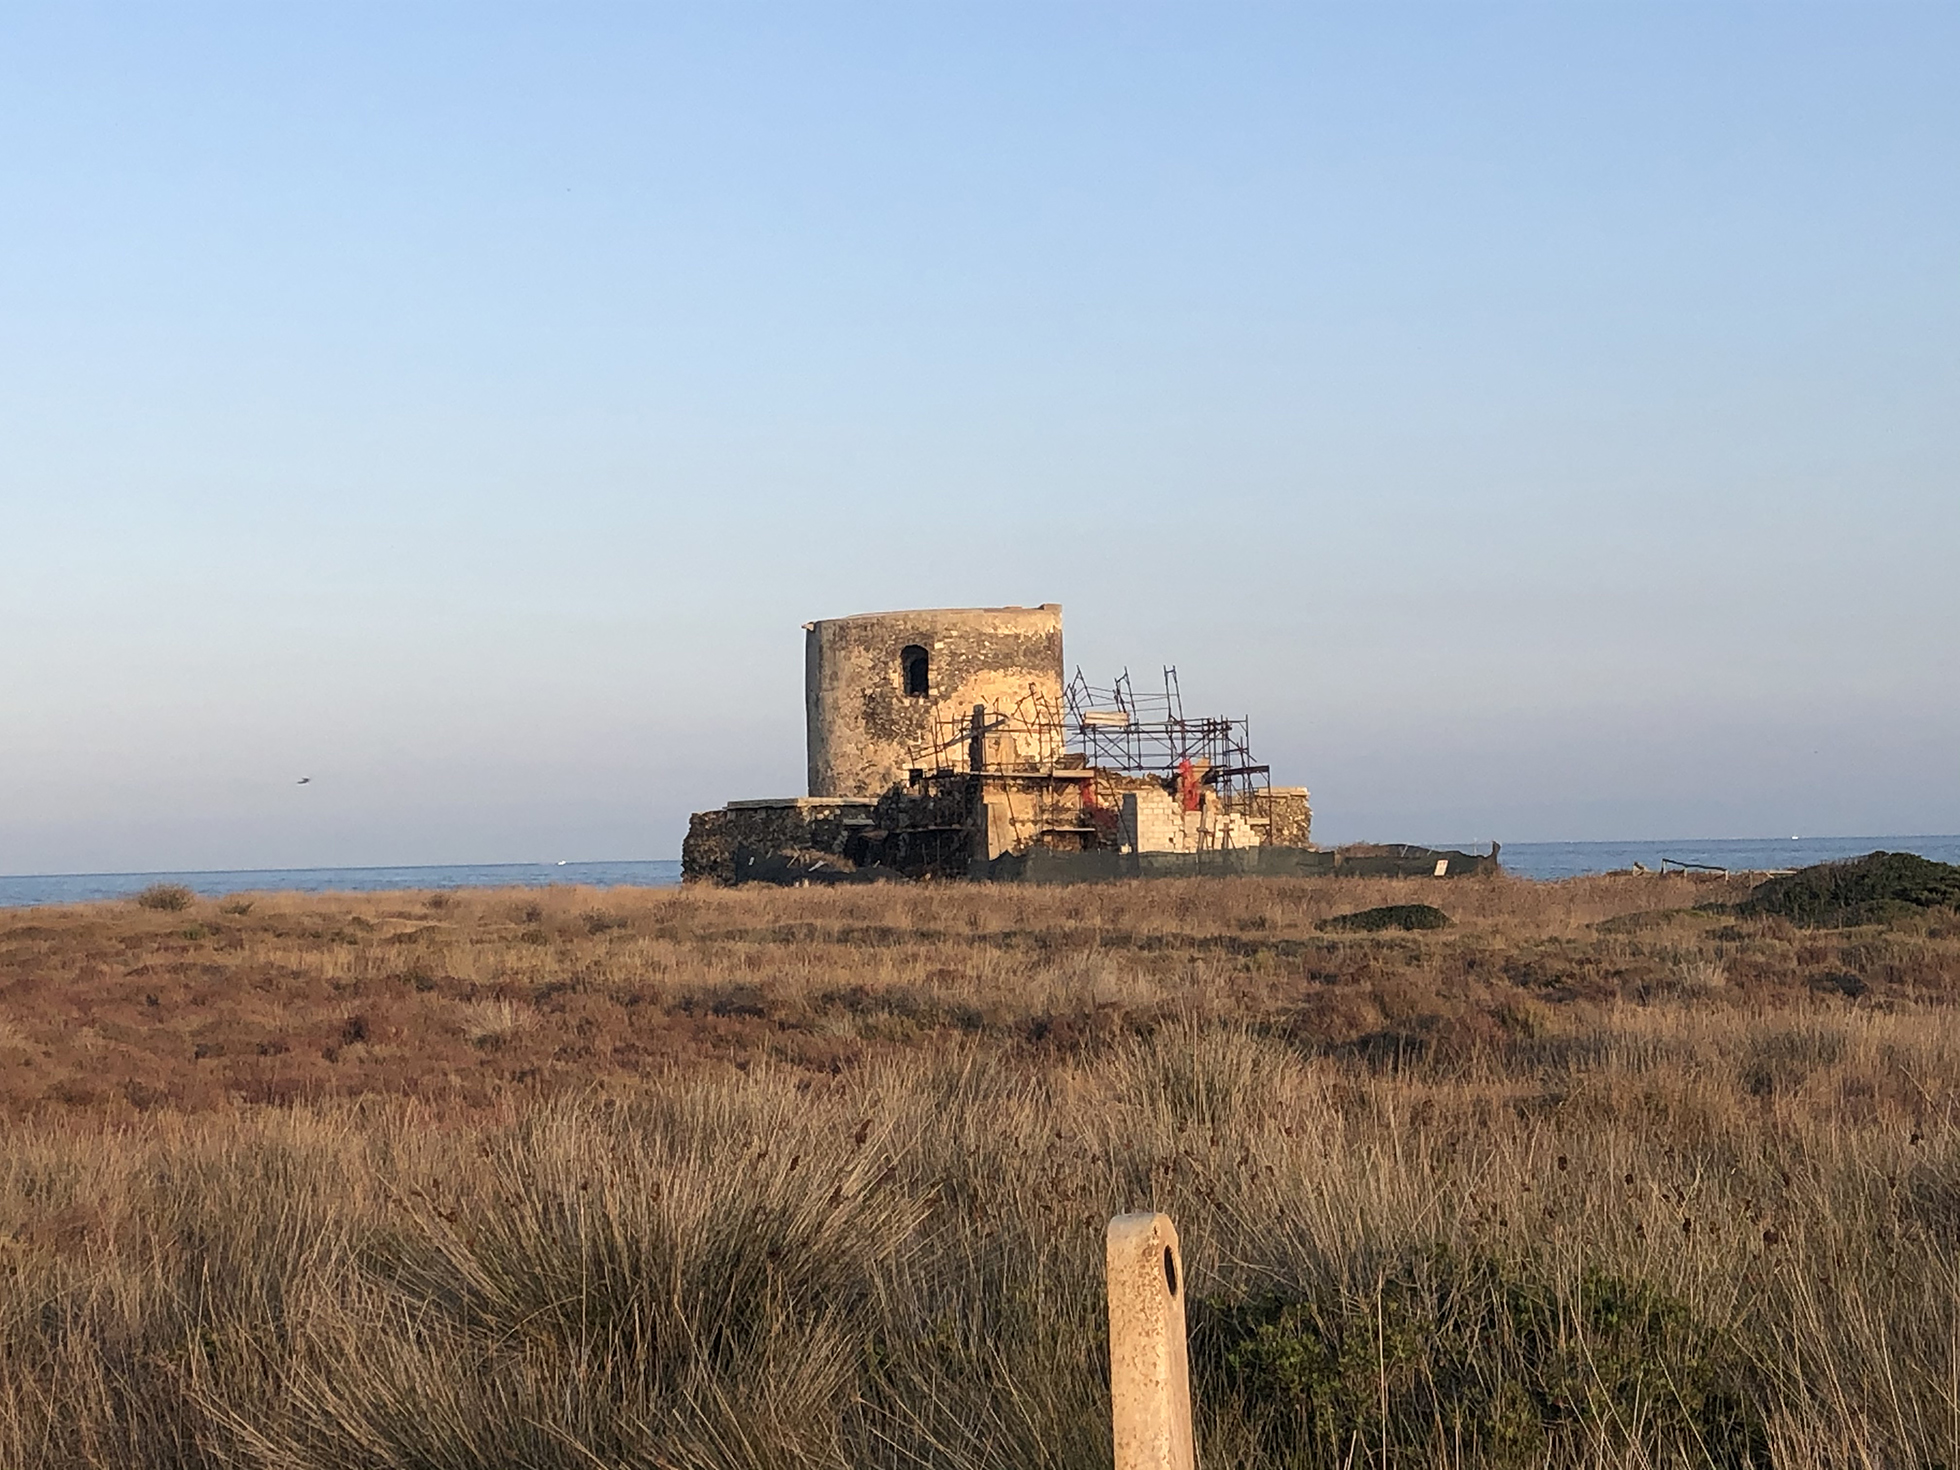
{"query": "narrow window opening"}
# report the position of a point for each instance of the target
(917, 667)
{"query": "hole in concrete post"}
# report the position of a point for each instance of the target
(916, 665)
(1149, 1367)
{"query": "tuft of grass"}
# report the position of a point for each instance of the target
(486, 1021)
(170, 897)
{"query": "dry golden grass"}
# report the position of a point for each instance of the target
(786, 1178)
(471, 998)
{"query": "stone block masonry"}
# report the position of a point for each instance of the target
(722, 844)
(881, 691)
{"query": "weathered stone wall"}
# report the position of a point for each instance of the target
(866, 732)
(1044, 865)
(1290, 818)
(720, 844)
(1012, 813)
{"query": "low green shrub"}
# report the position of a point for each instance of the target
(1499, 1360)
(1388, 916)
(1866, 890)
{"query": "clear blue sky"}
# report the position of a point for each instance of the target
(1543, 421)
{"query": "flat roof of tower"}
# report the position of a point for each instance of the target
(917, 612)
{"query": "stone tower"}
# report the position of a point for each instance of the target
(886, 694)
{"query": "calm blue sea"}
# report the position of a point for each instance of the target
(1544, 860)
(81, 887)
(1548, 860)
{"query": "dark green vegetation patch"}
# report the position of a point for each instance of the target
(1497, 1358)
(1866, 890)
(1388, 916)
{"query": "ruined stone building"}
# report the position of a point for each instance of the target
(881, 689)
(948, 743)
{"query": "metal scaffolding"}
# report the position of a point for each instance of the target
(1120, 730)
(1147, 734)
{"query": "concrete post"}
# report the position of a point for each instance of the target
(1149, 1375)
